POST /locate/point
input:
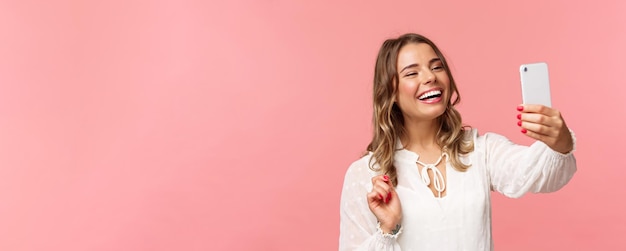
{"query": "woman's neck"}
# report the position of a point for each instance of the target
(421, 136)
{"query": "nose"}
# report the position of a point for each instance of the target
(429, 77)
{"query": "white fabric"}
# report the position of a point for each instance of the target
(461, 220)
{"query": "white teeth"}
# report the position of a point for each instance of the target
(429, 94)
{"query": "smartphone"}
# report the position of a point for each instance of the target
(535, 84)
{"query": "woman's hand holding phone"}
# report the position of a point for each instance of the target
(546, 125)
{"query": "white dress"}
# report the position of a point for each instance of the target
(462, 219)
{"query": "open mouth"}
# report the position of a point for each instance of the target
(430, 95)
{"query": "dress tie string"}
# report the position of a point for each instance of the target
(438, 181)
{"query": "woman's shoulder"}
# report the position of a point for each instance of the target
(362, 166)
(482, 141)
(479, 138)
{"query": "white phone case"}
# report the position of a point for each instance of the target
(535, 84)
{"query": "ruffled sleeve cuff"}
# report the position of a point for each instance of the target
(384, 240)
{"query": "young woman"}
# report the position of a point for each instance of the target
(425, 182)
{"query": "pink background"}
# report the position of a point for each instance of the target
(187, 125)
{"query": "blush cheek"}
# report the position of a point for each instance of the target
(408, 89)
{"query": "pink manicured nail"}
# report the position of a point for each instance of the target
(519, 123)
(520, 108)
(380, 196)
(524, 130)
(386, 178)
(519, 116)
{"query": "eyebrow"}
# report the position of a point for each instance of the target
(414, 65)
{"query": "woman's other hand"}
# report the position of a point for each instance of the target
(384, 203)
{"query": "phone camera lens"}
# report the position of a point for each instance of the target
(525, 69)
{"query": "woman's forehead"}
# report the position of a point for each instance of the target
(416, 53)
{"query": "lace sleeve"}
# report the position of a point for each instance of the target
(358, 226)
(515, 169)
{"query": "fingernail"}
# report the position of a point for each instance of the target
(387, 199)
(520, 108)
(519, 123)
(519, 116)
(524, 130)
(380, 196)
(386, 178)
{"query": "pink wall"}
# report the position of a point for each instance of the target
(186, 125)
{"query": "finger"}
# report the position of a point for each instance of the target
(386, 185)
(538, 136)
(390, 195)
(541, 119)
(383, 194)
(379, 177)
(539, 129)
(383, 179)
(534, 108)
(373, 196)
(383, 184)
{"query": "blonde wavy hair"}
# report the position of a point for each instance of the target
(389, 122)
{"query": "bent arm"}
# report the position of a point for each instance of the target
(515, 170)
(358, 226)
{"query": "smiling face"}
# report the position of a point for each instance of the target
(423, 83)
